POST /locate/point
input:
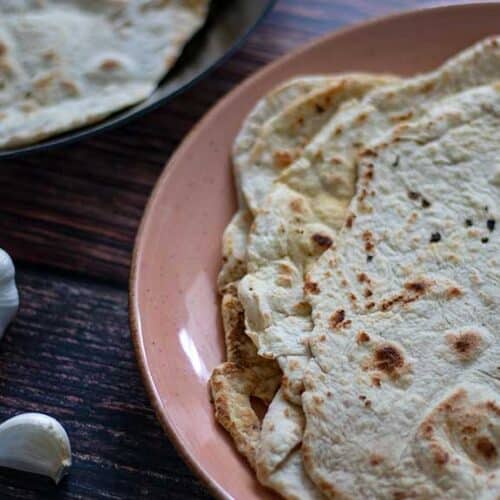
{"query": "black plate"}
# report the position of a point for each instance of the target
(228, 25)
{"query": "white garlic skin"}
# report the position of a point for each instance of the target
(34, 442)
(9, 296)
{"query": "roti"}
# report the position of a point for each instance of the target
(69, 63)
(402, 394)
(301, 214)
(308, 203)
(283, 137)
(274, 134)
(297, 220)
(234, 240)
(246, 375)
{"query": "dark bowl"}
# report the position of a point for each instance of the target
(228, 25)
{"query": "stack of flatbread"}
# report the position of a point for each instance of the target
(360, 285)
(68, 63)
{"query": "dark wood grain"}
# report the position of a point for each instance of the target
(69, 217)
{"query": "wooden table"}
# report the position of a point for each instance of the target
(68, 217)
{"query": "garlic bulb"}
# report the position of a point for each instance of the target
(34, 442)
(9, 298)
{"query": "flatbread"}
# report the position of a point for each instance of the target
(300, 215)
(402, 397)
(283, 137)
(313, 178)
(271, 138)
(276, 467)
(311, 101)
(234, 240)
(68, 63)
(245, 375)
(299, 218)
(310, 112)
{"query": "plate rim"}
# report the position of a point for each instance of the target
(139, 242)
(108, 123)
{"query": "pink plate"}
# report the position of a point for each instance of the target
(174, 313)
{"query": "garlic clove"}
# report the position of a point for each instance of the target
(9, 297)
(34, 442)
